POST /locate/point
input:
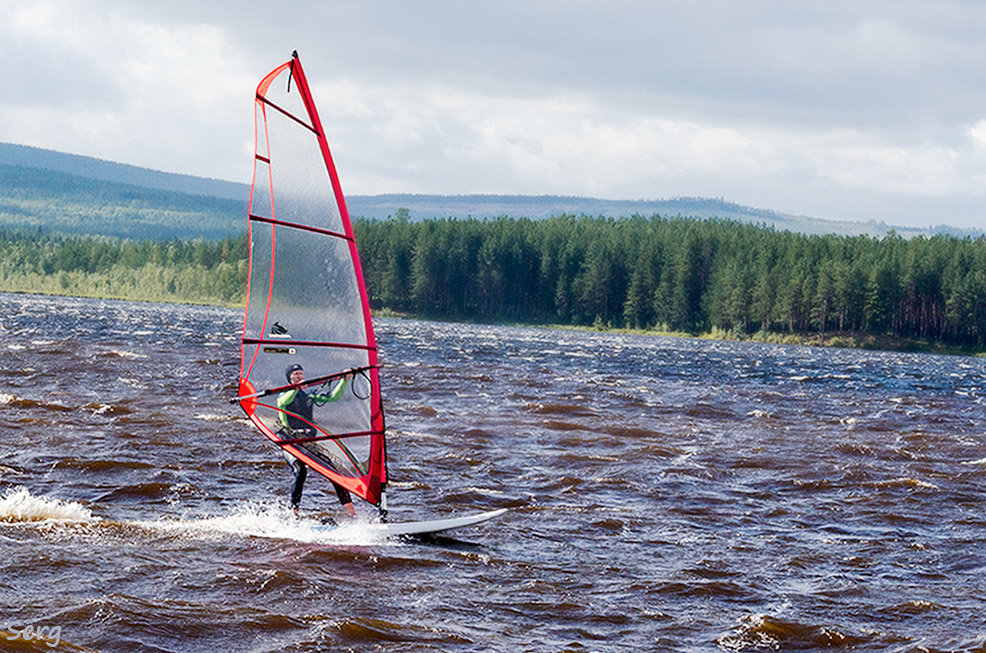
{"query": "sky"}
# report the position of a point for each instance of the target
(846, 110)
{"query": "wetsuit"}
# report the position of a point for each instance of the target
(298, 404)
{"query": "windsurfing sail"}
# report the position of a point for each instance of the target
(306, 300)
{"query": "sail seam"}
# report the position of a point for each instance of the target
(327, 436)
(305, 343)
(287, 114)
(303, 227)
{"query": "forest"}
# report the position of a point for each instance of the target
(181, 271)
(649, 273)
(679, 275)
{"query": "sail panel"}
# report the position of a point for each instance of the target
(349, 414)
(313, 293)
(304, 189)
(306, 301)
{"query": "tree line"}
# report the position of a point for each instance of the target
(667, 274)
(678, 274)
(199, 271)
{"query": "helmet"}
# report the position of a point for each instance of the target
(293, 367)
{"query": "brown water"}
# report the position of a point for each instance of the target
(665, 495)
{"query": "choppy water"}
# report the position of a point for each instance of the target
(665, 495)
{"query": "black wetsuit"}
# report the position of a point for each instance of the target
(299, 408)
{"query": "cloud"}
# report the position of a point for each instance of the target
(120, 87)
(801, 107)
(40, 70)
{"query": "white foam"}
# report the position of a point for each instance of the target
(905, 482)
(19, 505)
(206, 417)
(132, 382)
(123, 353)
(256, 520)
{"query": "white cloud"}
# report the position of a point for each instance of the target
(167, 82)
(797, 107)
(978, 135)
(441, 139)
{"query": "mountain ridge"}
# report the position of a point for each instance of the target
(227, 216)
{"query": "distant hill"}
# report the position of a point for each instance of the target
(422, 207)
(61, 203)
(68, 193)
(121, 173)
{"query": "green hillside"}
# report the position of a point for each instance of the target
(58, 202)
(93, 168)
(78, 226)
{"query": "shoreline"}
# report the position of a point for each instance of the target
(843, 340)
(833, 339)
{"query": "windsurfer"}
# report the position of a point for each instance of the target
(296, 407)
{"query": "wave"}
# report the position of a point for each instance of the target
(759, 631)
(209, 417)
(904, 482)
(911, 608)
(575, 410)
(246, 521)
(19, 505)
(122, 353)
(14, 401)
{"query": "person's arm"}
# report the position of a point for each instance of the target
(335, 395)
(283, 401)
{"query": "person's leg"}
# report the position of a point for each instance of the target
(345, 499)
(300, 474)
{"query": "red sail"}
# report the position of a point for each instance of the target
(306, 300)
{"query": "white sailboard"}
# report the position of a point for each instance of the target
(307, 304)
(428, 527)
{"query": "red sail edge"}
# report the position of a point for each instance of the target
(357, 459)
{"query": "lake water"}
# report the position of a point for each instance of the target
(665, 494)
